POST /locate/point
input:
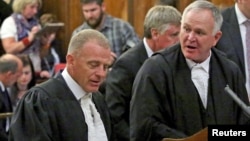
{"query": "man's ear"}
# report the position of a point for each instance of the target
(103, 6)
(217, 37)
(70, 59)
(154, 33)
(8, 74)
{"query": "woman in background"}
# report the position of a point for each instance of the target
(52, 55)
(18, 33)
(24, 82)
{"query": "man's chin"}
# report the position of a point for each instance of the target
(92, 25)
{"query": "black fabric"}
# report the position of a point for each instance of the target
(5, 11)
(7, 101)
(50, 112)
(231, 40)
(5, 106)
(165, 102)
(119, 88)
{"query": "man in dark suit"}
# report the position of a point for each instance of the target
(69, 106)
(161, 30)
(166, 100)
(233, 37)
(10, 70)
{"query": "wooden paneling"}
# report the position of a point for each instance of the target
(140, 9)
(69, 12)
(117, 8)
(181, 4)
(223, 2)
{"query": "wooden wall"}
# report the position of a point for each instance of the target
(133, 11)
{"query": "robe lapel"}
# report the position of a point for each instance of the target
(216, 91)
(187, 97)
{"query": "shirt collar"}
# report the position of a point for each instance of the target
(148, 49)
(240, 16)
(2, 86)
(107, 21)
(204, 64)
(74, 87)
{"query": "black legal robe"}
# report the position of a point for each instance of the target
(50, 111)
(166, 104)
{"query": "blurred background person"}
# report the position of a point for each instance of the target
(10, 70)
(161, 30)
(120, 33)
(5, 11)
(52, 54)
(234, 41)
(26, 81)
(18, 32)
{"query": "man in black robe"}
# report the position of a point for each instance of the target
(165, 101)
(51, 111)
(161, 30)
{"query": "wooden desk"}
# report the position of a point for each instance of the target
(199, 136)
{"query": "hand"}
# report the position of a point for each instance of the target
(48, 38)
(45, 74)
(33, 32)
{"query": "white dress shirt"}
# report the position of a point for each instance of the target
(96, 130)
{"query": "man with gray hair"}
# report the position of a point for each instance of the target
(180, 90)
(69, 106)
(10, 70)
(161, 30)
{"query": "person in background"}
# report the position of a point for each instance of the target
(69, 106)
(161, 30)
(18, 33)
(26, 81)
(5, 11)
(52, 55)
(180, 90)
(233, 40)
(10, 70)
(120, 33)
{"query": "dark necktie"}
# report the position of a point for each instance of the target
(8, 108)
(7, 102)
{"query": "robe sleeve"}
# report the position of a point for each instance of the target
(150, 104)
(32, 118)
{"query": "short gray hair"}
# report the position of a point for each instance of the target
(87, 35)
(203, 4)
(160, 17)
(19, 5)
